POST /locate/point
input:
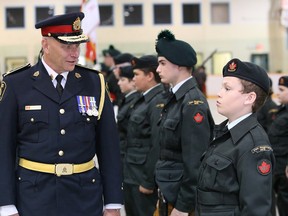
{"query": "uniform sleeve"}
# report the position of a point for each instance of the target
(108, 154)
(197, 126)
(8, 131)
(255, 181)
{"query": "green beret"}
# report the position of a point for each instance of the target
(247, 71)
(283, 81)
(176, 51)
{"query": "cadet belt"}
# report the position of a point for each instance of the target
(57, 169)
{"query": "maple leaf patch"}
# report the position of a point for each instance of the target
(264, 167)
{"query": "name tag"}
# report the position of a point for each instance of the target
(33, 107)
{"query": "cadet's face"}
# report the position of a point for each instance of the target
(231, 102)
(60, 57)
(141, 80)
(167, 71)
(126, 85)
(283, 94)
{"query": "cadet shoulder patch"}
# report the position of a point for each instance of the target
(2, 89)
(264, 167)
(18, 69)
(198, 117)
(195, 102)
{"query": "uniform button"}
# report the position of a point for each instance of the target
(61, 153)
(88, 119)
(32, 119)
(19, 178)
(62, 111)
(63, 132)
(93, 180)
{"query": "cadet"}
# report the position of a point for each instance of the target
(235, 176)
(127, 87)
(140, 191)
(186, 127)
(278, 135)
(55, 116)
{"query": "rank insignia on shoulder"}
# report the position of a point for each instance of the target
(264, 167)
(198, 117)
(2, 89)
(195, 102)
(18, 69)
(263, 148)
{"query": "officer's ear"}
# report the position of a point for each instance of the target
(44, 44)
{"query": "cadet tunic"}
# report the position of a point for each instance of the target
(40, 126)
(235, 176)
(186, 126)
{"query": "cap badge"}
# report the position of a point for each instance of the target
(133, 63)
(232, 67)
(77, 24)
(281, 81)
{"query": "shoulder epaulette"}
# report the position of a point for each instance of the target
(17, 69)
(90, 69)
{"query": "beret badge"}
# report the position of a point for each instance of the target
(232, 67)
(77, 24)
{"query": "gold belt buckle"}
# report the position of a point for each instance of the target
(63, 169)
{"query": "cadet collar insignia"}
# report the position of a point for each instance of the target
(264, 167)
(195, 102)
(77, 75)
(2, 89)
(198, 117)
(259, 149)
(77, 24)
(87, 105)
(36, 74)
(232, 67)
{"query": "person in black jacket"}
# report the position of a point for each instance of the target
(235, 176)
(140, 190)
(278, 135)
(185, 126)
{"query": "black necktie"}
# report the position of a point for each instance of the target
(59, 87)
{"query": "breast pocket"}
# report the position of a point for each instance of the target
(171, 137)
(219, 173)
(33, 126)
(84, 128)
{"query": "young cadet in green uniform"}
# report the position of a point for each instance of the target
(278, 135)
(186, 126)
(140, 192)
(53, 129)
(128, 89)
(235, 176)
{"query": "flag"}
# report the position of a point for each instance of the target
(89, 24)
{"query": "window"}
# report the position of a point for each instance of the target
(15, 17)
(162, 14)
(133, 14)
(72, 8)
(191, 13)
(219, 13)
(106, 15)
(43, 13)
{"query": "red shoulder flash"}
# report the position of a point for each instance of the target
(198, 117)
(264, 167)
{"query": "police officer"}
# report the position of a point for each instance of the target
(278, 135)
(186, 126)
(140, 191)
(56, 116)
(235, 176)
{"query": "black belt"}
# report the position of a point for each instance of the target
(216, 198)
